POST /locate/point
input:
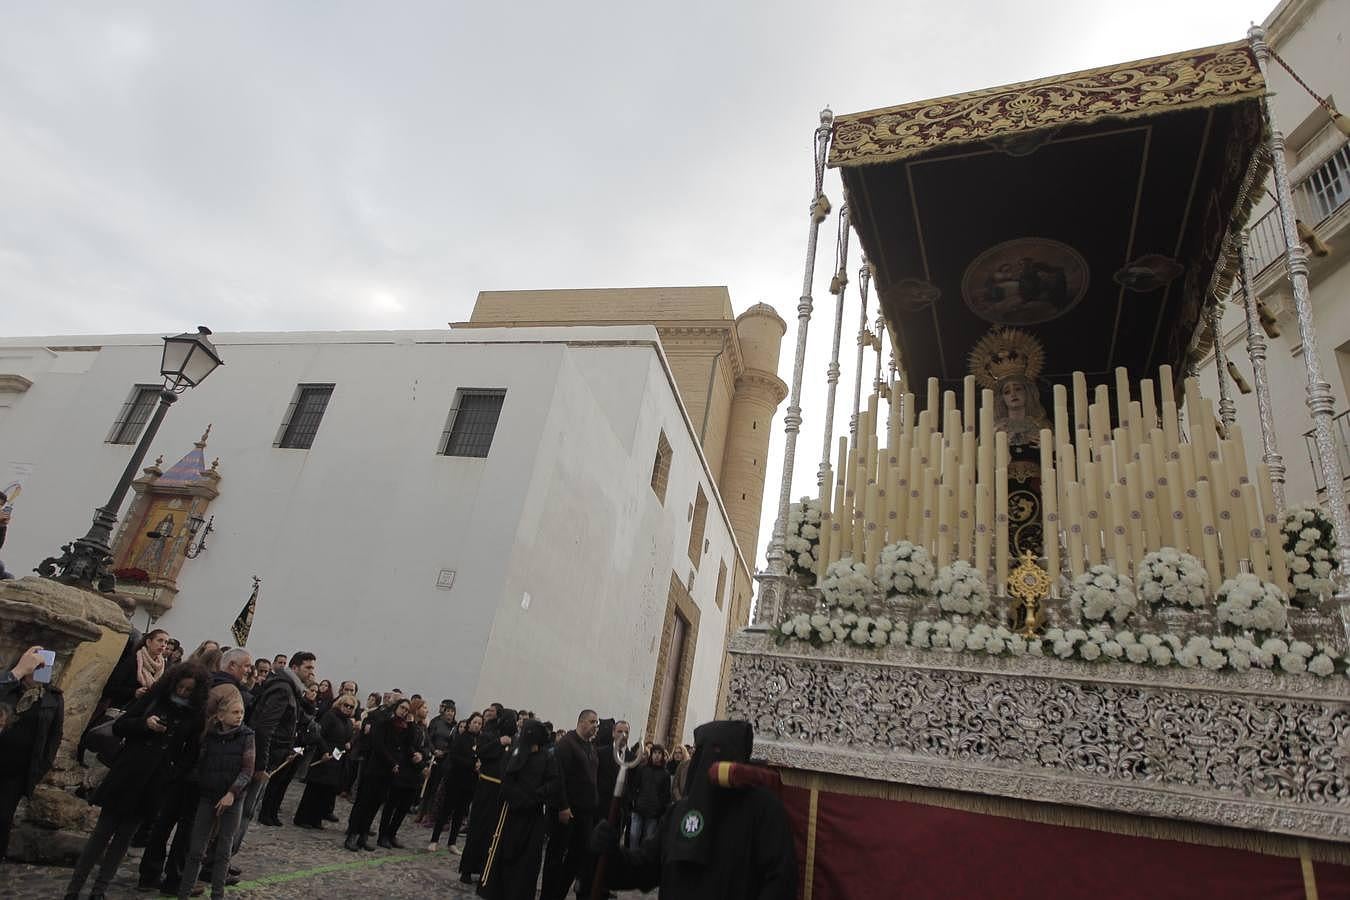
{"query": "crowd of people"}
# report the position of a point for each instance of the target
(201, 747)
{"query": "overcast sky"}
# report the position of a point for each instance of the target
(274, 166)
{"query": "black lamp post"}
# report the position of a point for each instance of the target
(188, 359)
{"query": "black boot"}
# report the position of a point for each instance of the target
(393, 842)
(384, 842)
(364, 845)
(351, 843)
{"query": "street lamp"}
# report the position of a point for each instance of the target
(188, 358)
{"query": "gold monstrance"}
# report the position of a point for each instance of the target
(1030, 584)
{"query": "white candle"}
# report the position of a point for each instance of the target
(1001, 530)
(968, 404)
(1074, 529)
(965, 512)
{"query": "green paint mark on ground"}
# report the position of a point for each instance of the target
(283, 877)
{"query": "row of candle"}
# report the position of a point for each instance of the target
(1111, 494)
(939, 483)
(1119, 493)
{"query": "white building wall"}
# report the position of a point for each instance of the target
(349, 535)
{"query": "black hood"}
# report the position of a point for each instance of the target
(714, 742)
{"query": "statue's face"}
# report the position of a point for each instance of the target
(1014, 395)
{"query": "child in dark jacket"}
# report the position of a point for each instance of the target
(224, 768)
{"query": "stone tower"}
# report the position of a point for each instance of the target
(758, 392)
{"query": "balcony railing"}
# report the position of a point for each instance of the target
(1317, 195)
(1340, 432)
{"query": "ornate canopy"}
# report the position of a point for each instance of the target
(1090, 209)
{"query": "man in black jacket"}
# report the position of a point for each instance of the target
(29, 741)
(274, 723)
(570, 825)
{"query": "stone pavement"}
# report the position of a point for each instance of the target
(290, 863)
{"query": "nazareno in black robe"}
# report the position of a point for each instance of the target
(531, 781)
(715, 843)
(486, 806)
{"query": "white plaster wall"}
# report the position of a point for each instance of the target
(604, 526)
(349, 535)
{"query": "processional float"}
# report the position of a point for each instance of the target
(1041, 582)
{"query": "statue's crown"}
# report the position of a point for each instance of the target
(1005, 352)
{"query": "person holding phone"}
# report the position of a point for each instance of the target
(161, 732)
(28, 743)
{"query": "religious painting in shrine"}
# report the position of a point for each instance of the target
(152, 546)
(1025, 281)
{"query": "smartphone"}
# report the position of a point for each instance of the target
(44, 671)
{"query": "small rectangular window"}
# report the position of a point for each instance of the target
(696, 527)
(136, 411)
(302, 420)
(721, 581)
(661, 467)
(472, 422)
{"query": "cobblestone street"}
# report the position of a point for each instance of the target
(289, 863)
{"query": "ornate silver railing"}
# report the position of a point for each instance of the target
(1317, 196)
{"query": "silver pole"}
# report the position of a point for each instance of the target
(832, 370)
(792, 420)
(864, 279)
(1256, 350)
(1227, 408)
(1320, 401)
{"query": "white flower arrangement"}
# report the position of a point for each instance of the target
(962, 590)
(905, 570)
(1247, 603)
(1101, 593)
(839, 626)
(802, 542)
(1310, 553)
(1168, 577)
(847, 584)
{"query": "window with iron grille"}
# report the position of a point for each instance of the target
(700, 519)
(661, 467)
(472, 422)
(303, 417)
(136, 411)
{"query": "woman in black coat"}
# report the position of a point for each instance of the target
(413, 758)
(160, 733)
(456, 792)
(383, 748)
(325, 772)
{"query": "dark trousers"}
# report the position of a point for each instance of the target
(11, 792)
(370, 796)
(105, 848)
(438, 771)
(161, 860)
(206, 824)
(482, 823)
(275, 793)
(315, 803)
(401, 799)
(453, 809)
(567, 857)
